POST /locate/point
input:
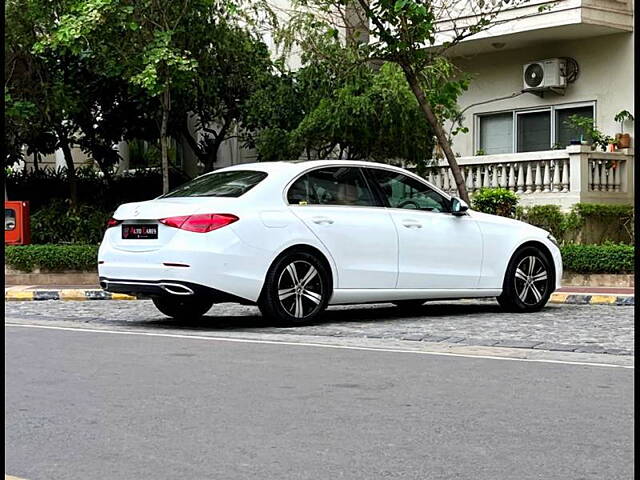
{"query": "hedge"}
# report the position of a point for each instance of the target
(53, 258)
(605, 258)
(57, 223)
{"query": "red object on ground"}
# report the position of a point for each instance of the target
(17, 227)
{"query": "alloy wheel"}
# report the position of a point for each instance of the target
(531, 280)
(300, 289)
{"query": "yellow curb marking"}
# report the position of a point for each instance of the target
(71, 294)
(558, 297)
(603, 299)
(122, 296)
(11, 477)
(18, 295)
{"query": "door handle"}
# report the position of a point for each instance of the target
(411, 224)
(322, 220)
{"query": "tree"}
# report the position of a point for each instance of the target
(337, 105)
(411, 34)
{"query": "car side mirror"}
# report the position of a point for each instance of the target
(458, 206)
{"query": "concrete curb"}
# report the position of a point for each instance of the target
(97, 294)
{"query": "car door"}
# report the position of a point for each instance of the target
(339, 207)
(436, 249)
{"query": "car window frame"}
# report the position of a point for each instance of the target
(379, 201)
(380, 193)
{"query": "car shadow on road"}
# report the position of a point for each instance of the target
(250, 319)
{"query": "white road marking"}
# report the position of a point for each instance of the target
(308, 344)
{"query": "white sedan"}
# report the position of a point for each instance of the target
(294, 237)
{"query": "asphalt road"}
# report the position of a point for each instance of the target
(96, 405)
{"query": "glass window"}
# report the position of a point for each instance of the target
(331, 186)
(222, 184)
(534, 131)
(496, 133)
(402, 191)
(565, 133)
(9, 219)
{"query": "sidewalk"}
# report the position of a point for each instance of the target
(569, 295)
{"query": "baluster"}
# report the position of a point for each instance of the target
(603, 176)
(538, 179)
(470, 179)
(487, 175)
(445, 178)
(494, 176)
(430, 176)
(609, 178)
(512, 177)
(555, 187)
(452, 182)
(565, 176)
(520, 178)
(503, 177)
(615, 170)
(477, 180)
(590, 172)
(529, 178)
(545, 179)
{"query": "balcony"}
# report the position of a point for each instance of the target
(520, 23)
(561, 177)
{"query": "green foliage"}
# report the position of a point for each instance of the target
(495, 201)
(612, 221)
(605, 258)
(588, 131)
(622, 117)
(41, 187)
(53, 258)
(61, 224)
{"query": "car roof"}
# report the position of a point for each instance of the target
(294, 166)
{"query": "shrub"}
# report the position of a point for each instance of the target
(39, 187)
(51, 257)
(585, 223)
(58, 223)
(496, 201)
(605, 258)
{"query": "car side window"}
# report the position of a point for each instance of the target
(331, 186)
(402, 191)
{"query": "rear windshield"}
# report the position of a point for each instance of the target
(223, 184)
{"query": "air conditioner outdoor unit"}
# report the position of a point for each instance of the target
(541, 75)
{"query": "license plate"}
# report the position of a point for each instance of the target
(140, 232)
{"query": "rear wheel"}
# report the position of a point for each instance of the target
(529, 281)
(183, 307)
(296, 290)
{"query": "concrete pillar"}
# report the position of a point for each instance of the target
(123, 151)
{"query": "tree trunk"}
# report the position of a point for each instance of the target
(71, 169)
(438, 130)
(164, 147)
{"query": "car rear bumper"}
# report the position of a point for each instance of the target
(214, 263)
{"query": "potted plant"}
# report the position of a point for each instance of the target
(589, 134)
(623, 139)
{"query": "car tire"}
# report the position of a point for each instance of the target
(183, 308)
(296, 290)
(409, 305)
(529, 281)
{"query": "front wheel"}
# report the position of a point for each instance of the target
(296, 290)
(529, 281)
(183, 307)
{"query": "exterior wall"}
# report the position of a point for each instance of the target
(606, 77)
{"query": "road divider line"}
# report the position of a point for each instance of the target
(318, 345)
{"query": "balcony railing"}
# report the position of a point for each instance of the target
(565, 177)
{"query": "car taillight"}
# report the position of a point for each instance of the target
(112, 222)
(201, 223)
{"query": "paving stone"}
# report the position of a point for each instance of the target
(416, 337)
(555, 347)
(517, 343)
(560, 326)
(591, 349)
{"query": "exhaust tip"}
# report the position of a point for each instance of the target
(176, 289)
(103, 284)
